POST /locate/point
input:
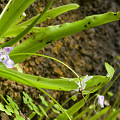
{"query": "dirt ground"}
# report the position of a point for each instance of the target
(85, 52)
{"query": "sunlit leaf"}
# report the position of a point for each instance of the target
(110, 70)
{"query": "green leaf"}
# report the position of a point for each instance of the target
(12, 103)
(102, 112)
(43, 100)
(43, 111)
(15, 30)
(65, 84)
(9, 108)
(22, 34)
(19, 69)
(74, 98)
(12, 106)
(11, 12)
(56, 84)
(51, 13)
(18, 117)
(114, 115)
(57, 106)
(52, 33)
(118, 57)
(36, 109)
(18, 20)
(2, 108)
(71, 111)
(55, 111)
(27, 100)
(110, 70)
(79, 115)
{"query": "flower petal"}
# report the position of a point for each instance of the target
(5, 58)
(9, 63)
(101, 100)
(7, 50)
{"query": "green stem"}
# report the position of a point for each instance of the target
(55, 102)
(46, 57)
(3, 98)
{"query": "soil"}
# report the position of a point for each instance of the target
(85, 52)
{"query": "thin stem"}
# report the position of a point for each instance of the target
(81, 91)
(49, 58)
(33, 84)
(4, 99)
(55, 102)
(115, 102)
(40, 88)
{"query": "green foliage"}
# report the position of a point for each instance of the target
(11, 13)
(65, 84)
(10, 26)
(110, 70)
(22, 34)
(47, 35)
(11, 108)
(43, 101)
(102, 112)
(71, 111)
(113, 115)
(15, 30)
(27, 100)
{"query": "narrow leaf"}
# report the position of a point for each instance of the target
(22, 34)
(110, 70)
(11, 12)
(102, 112)
(52, 33)
(72, 110)
(43, 100)
(43, 111)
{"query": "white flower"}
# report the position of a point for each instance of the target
(82, 84)
(101, 100)
(4, 57)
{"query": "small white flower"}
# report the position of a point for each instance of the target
(82, 84)
(101, 100)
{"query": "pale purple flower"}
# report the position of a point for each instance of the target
(101, 100)
(82, 84)
(4, 57)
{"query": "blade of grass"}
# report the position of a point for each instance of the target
(102, 112)
(17, 38)
(51, 13)
(14, 31)
(11, 12)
